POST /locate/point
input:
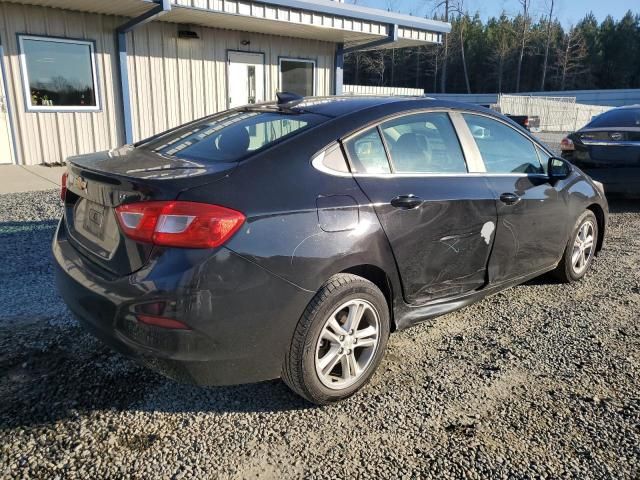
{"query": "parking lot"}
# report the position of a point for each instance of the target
(542, 380)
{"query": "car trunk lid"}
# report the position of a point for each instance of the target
(610, 147)
(100, 182)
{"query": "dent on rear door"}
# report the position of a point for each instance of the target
(441, 247)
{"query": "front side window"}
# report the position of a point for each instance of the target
(59, 74)
(231, 136)
(297, 76)
(503, 149)
(424, 143)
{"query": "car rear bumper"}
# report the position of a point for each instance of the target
(617, 168)
(240, 316)
(617, 181)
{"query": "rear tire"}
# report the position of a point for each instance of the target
(580, 249)
(339, 340)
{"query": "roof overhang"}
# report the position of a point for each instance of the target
(324, 20)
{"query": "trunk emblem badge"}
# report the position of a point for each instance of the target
(80, 183)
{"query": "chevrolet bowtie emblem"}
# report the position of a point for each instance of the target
(80, 183)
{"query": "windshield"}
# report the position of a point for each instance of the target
(231, 136)
(620, 117)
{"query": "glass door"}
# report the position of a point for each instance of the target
(245, 78)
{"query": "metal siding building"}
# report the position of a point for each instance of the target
(158, 64)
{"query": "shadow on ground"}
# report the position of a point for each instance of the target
(48, 374)
(50, 370)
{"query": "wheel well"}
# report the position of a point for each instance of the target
(380, 279)
(599, 213)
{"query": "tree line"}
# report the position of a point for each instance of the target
(510, 54)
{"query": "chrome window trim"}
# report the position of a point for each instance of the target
(318, 158)
(477, 162)
(612, 143)
(445, 175)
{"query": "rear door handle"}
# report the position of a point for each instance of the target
(406, 202)
(509, 198)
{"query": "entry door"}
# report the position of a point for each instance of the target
(532, 227)
(245, 78)
(5, 137)
(439, 219)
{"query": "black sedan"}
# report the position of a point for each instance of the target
(290, 239)
(608, 149)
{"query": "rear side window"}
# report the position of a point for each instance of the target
(619, 117)
(367, 153)
(232, 136)
(424, 143)
(503, 149)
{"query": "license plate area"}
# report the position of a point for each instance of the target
(93, 220)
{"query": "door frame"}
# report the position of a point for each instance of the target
(264, 72)
(13, 155)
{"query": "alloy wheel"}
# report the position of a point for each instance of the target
(347, 344)
(583, 247)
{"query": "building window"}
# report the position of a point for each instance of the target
(297, 76)
(59, 74)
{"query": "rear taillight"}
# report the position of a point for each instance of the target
(179, 224)
(162, 322)
(63, 186)
(566, 145)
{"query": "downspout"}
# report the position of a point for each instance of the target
(339, 69)
(163, 7)
(391, 37)
(9, 113)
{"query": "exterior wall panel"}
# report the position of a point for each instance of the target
(50, 137)
(177, 80)
(172, 80)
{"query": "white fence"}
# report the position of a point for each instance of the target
(557, 114)
(367, 90)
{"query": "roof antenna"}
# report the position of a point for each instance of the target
(289, 99)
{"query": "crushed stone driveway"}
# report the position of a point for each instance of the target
(538, 381)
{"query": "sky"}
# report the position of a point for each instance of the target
(569, 12)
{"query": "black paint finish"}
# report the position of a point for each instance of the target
(608, 149)
(432, 243)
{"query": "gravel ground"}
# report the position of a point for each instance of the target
(539, 381)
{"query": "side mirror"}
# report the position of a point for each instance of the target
(558, 168)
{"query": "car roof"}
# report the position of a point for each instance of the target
(338, 106)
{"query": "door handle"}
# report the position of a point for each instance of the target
(406, 202)
(509, 198)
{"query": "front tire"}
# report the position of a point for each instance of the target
(339, 340)
(580, 249)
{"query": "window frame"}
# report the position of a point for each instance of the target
(455, 132)
(29, 107)
(475, 163)
(299, 60)
(377, 125)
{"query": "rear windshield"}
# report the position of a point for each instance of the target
(231, 136)
(620, 117)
